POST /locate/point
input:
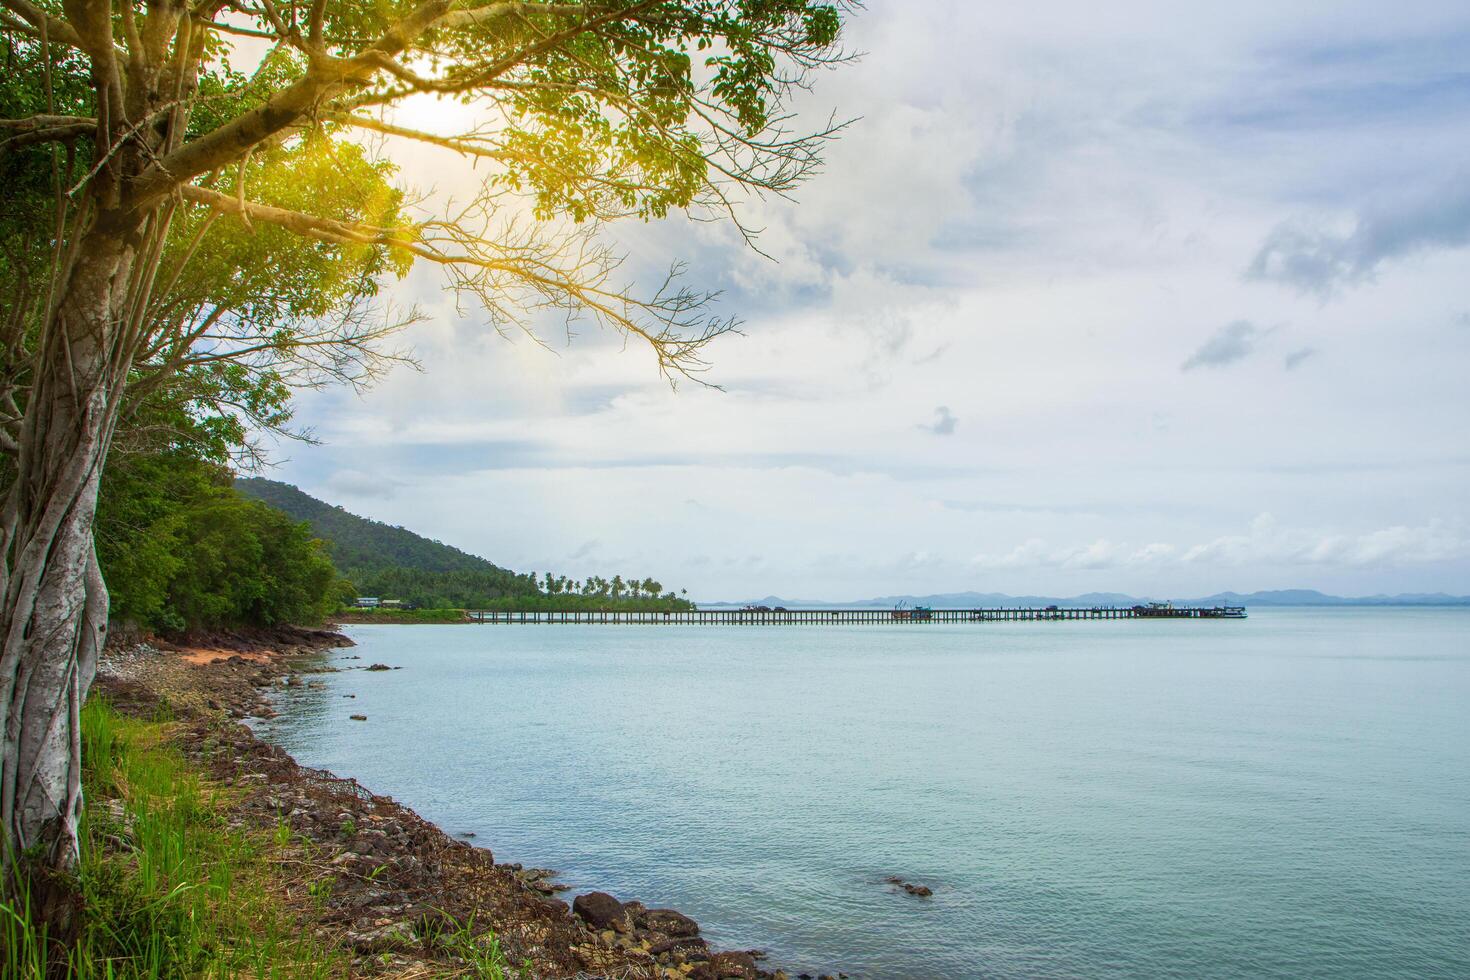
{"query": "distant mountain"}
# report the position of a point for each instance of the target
(380, 559)
(978, 600)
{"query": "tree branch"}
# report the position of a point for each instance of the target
(56, 29)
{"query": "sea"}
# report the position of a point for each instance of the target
(1282, 796)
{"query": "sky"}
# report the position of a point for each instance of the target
(1147, 297)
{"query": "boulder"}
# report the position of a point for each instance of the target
(692, 947)
(727, 966)
(669, 922)
(378, 667)
(358, 717)
(601, 911)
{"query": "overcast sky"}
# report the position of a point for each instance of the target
(1146, 297)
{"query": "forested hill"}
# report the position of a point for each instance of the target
(393, 563)
(380, 559)
(356, 541)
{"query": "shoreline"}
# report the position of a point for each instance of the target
(394, 876)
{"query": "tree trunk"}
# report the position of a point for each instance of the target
(54, 611)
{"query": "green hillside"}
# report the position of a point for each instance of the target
(394, 563)
(383, 560)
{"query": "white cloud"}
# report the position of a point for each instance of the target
(1266, 543)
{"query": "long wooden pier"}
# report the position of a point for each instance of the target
(843, 617)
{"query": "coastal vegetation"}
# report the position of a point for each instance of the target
(181, 551)
(185, 547)
(194, 233)
(381, 560)
(173, 887)
(169, 888)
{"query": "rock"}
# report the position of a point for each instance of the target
(601, 911)
(669, 922)
(726, 966)
(382, 939)
(681, 944)
(358, 717)
(378, 667)
(923, 891)
(556, 907)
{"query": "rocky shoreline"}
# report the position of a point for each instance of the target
(384, 882)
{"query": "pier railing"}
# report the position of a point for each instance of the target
(843, 617)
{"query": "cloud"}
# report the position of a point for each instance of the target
(944, 422)
(1030, 554)
(1102, 553)
(585, 550)
(1268, 542)
(1315, 257)
(1294, 360)
(1229, 344)
(1265, 543)
(355, 483)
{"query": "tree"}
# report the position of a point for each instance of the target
(148, 139)
(181, 550)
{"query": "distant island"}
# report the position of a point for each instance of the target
(979, 600)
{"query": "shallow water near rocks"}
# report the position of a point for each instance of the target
(1285, 796)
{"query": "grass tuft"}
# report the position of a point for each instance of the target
(168, 888)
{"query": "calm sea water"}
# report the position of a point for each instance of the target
(1286, 796)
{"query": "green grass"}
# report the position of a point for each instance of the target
(168, 888)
